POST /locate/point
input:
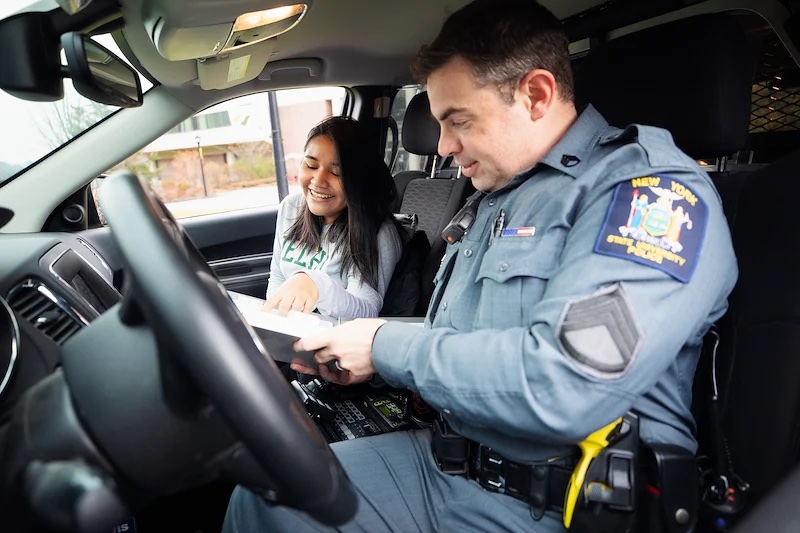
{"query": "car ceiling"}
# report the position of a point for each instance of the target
(360, 42)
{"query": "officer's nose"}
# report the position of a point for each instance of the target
(448, 144)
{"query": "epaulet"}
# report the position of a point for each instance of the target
(656, 142)
(620, 136)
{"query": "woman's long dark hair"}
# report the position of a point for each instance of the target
(370, 192)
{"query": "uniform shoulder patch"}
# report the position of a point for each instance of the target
(599, 333)
(656, 221)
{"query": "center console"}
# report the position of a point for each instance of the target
(344, 413)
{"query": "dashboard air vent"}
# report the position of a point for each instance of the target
(45, 310)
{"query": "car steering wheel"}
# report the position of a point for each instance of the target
(188, 308)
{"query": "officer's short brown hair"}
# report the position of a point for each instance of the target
(502, 40)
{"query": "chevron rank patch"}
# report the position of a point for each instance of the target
(599, 333)
(656, 221)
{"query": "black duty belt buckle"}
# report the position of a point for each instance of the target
(529, 483)
(491, 474)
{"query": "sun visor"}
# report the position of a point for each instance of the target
(176, 44)
(228, 26)
(235, 67)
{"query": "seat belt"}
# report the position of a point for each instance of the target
(723, 492)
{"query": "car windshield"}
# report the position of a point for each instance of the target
(41, 127)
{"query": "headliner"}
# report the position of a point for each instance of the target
(360, 42)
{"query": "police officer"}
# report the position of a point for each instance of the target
(566, 304)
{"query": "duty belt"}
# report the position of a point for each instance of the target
(543, 485)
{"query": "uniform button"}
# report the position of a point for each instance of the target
(491, 202)
(444, 306)
(503, 267)
(446, 411)
(468, 252)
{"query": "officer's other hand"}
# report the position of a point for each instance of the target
(329, 373)
(325, 371)
(303, 369)
(298, 293)
(342, 377)
(350, 344)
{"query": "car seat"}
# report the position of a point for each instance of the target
(434, 200)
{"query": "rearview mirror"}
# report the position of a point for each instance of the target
(98, 74)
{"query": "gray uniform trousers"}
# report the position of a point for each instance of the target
(400, 489)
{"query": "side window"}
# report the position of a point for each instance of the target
(223, 158)
(403, 160)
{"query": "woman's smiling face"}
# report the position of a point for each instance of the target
(320, 179)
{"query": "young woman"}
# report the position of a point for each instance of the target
(336, 242)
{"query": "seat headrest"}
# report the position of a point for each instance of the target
(420, 129)
(693, 77)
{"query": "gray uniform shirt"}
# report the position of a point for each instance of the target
(610, 262)
(341, 294)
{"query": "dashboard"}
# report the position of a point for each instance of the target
(51, 286)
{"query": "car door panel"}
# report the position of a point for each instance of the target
(237, 246)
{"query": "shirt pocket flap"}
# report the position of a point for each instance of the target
(509, 257)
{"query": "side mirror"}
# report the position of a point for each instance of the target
(98, 74)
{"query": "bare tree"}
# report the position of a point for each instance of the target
(66, 118)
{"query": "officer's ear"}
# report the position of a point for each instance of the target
(538, 91)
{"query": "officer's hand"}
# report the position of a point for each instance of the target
(298, 293)
(350, 344)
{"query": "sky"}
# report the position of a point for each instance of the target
(8, 7)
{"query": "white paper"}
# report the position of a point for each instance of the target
(278, 333)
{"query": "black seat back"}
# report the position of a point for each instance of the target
(433, 197)
(420, 136)
(759, 355)
(692, 77)
(435, 200)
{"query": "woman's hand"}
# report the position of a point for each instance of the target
(298, 293)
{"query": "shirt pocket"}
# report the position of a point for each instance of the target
(512, 278)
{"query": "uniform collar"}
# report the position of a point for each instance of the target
(571, 153)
